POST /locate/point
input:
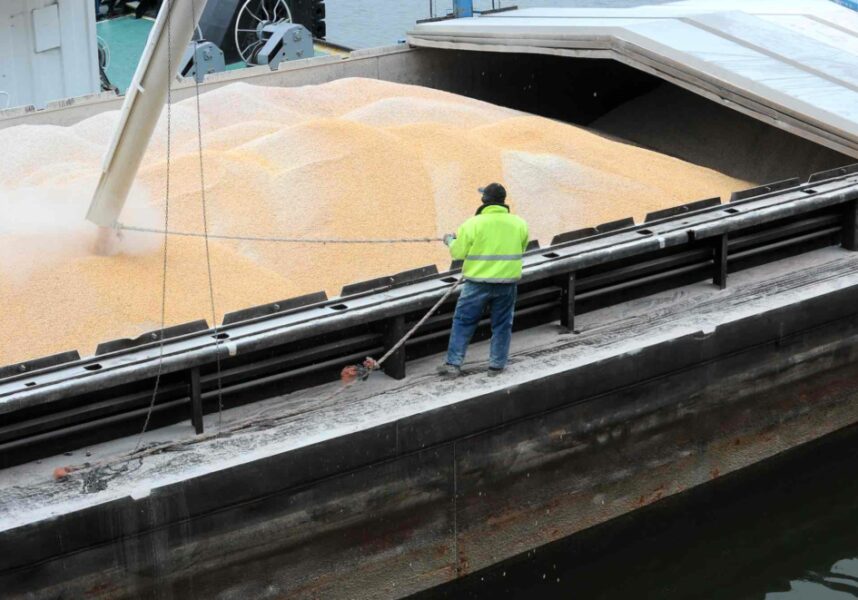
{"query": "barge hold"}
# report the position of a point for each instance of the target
(649, 358)
(401, 484)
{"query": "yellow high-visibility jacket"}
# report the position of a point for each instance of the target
(491, 243)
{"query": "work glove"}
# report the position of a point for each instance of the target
(448, 239)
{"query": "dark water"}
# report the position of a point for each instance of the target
(784, 530)
(365, 23)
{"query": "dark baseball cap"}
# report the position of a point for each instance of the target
(493, 193)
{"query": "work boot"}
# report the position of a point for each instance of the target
(494, 372)
(448, 370)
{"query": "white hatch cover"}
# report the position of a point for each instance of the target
(794, 66)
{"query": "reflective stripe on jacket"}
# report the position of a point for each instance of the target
(491, 244)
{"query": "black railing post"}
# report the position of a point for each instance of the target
(850, 226)
(567, 302)
(719, 276)
(394, 366)
(196, 400)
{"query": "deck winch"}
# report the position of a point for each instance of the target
(202, 58)
(279, 42)
(266, 35)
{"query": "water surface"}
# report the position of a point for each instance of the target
(782, 530)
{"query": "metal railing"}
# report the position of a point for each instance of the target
(64, 402)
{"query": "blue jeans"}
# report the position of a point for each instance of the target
(472, 301)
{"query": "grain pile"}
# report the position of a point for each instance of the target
(354, 158)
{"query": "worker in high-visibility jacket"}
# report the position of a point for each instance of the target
(491, 244)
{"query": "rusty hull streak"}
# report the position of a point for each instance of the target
(516, 512)
(388, 530)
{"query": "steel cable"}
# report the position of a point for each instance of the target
(205, 235)
(206, 227)
(166, 7)
(288, 240)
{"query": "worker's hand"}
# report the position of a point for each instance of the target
(448, 239)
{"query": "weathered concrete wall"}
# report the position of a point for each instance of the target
(468, 484)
